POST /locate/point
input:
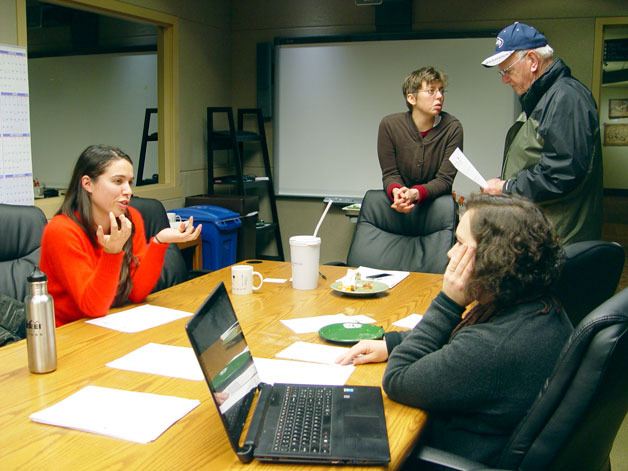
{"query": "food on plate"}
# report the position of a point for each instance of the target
(353, 281)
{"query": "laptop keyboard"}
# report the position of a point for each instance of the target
(304, 421)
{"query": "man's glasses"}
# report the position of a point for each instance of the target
(433, 91)
(503, 72)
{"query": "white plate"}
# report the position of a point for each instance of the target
(375, 288)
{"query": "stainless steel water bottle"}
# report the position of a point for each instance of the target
(40, 325)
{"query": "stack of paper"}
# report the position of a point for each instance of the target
(312, 352)
(139, 318)
(135, 416)
(410, 321)
(164, 360)
(298, 372)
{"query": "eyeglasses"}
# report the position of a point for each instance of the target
(503, 72)
(433, 91)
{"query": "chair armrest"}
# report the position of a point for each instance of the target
(449, 460)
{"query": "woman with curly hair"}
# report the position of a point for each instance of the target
(477, 374)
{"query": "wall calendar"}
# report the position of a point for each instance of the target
(16, 171)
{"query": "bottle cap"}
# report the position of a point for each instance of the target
(37, 276)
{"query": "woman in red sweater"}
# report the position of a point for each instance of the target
(94, 250)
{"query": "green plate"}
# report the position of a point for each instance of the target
(350, 332)
(375, 287)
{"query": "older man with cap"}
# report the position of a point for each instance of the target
(553, 153)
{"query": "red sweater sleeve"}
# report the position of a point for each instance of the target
(150, 257)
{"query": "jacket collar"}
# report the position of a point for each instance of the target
(557, 69)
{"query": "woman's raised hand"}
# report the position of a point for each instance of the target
(117, 237)
(183, 233)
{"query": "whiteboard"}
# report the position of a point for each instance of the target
(330, 97)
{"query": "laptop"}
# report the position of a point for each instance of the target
(289, 422)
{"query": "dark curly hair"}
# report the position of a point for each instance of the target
(518, 254)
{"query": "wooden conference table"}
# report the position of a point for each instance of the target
(198, 440)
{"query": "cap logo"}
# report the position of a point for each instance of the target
(499, 43)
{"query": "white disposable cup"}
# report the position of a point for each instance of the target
(305, 252)
(242, 279)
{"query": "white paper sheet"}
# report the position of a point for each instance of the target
(304, 325)
(275, 280)
(135, 416)
(410, 321)
(139, 318)
(298, 372)
(312, 352)
(464, 166)
(164, 360)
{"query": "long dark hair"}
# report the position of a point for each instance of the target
(77, 205)
(518, 254)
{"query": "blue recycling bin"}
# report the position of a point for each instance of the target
(219, 233)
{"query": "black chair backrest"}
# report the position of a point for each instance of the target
(590, 276)
(417, 241)
(153, 213)
(22, 227)
(573, 422)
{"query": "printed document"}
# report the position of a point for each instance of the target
(464, 166)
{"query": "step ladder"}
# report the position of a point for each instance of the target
(146, 138)
(234, 139)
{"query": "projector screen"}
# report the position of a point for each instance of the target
(330, 98)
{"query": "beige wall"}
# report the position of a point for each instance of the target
(569, 27)
(8, 24)
(217, 65)
(204, 78)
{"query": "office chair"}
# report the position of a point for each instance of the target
(573, 422)
(22, 227)
(389, 240)
(153, 212)
(590, 276)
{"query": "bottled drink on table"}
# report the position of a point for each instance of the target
(40, 325)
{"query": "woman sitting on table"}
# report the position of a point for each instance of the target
(477, 375)
(414, 147)
(94, 250)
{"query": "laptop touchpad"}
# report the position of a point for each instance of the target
(359, 426)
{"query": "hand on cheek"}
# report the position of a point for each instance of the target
(458, 273)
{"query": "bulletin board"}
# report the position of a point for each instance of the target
(16, 173)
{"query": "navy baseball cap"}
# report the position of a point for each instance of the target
(516, 37)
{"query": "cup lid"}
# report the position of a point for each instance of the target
(303, 240)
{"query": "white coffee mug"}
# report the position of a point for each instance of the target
(242, 279)
(174, 219)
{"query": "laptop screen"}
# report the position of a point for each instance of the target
(225, 359)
